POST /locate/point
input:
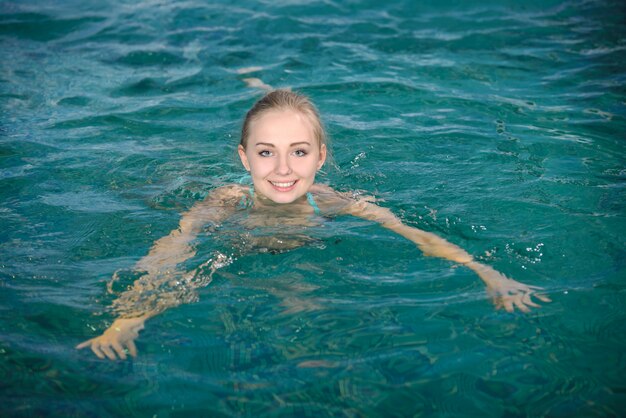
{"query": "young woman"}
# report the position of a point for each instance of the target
(283, 145)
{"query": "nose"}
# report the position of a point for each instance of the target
(282, 166)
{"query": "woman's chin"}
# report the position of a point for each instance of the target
(282, 198)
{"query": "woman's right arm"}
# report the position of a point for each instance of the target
(152, 293)
(505, 292)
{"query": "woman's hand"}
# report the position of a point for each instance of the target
(507, 293)
(116, 339)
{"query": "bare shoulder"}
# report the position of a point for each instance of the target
(331, 201)
(319, 188)
(227, 195)
(327, 192)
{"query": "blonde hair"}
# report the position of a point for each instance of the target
(284, 100)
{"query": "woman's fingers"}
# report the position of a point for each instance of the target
(84, 344)
(96, 350)
(519, 302)
(119, 350)
(508, 304)
(543, 298)
(95, 347)
(117, 342)
(517, 298)
(528, 302)
(108, 352)
(132, 349)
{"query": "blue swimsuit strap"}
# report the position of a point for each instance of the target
(247, 202)
(309, 198)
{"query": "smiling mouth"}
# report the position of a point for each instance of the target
(283, 186)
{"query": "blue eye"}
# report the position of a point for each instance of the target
(265, 153)
(300, 153)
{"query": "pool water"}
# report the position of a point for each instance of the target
(496, 125)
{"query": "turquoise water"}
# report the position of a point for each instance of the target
(497, 125)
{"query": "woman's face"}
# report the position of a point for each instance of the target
(282, 155)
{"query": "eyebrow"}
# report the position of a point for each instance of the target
(267, 144)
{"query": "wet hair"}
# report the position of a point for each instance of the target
(284, 100)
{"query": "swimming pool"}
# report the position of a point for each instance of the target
(497, 125)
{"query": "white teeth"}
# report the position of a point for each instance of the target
(283, 185)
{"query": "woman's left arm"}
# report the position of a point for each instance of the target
(506, 293)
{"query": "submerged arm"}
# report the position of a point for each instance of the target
(159, 288)
(506, 293)
(163, 283)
